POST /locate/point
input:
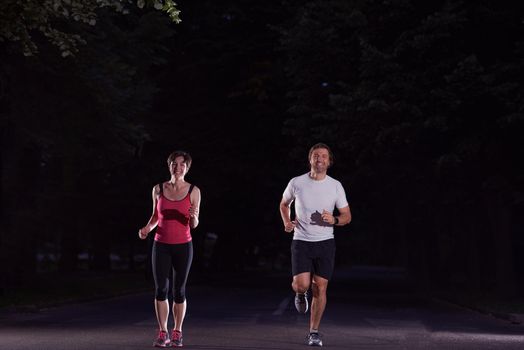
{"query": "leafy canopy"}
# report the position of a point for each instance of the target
(22, 21)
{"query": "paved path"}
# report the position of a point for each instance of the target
(252, 315)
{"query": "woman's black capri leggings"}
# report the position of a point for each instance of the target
(167, 258)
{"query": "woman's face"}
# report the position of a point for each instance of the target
(178, 168)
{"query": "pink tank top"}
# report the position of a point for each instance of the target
(173, 219)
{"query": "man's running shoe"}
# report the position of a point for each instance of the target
(301, 303)
(176, 339)
(314, 339)
(162, 341)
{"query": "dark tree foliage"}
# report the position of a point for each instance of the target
(71, 131)
(424, 105)
(22, 21)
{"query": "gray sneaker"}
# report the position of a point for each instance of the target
(314, 339)
(301, 303)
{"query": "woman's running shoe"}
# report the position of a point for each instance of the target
(176, 339)
(162, 341)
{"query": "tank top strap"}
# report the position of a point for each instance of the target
(161, 188)
(190, 189)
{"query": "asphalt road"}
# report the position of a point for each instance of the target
(258, 313)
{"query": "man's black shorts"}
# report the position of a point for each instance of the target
(315, 257)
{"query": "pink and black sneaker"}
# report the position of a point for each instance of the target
(162, 341)
(176, 339)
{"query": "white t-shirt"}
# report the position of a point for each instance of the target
(311, 198)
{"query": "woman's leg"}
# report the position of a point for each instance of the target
(182, 259)
(161, 261)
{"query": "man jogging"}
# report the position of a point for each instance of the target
(316, 195)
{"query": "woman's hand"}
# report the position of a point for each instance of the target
(142, 233)
(193, 212)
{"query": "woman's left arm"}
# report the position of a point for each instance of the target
(195, 207)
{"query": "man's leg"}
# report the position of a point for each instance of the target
(300, 285)
(301, 267)
(323, 266)
(318, 303)
(301, 282)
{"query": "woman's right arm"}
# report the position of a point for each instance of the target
(153, 220)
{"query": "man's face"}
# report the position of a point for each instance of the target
(319, 159)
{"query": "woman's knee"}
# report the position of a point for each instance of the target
(161, 292)
(180, 295)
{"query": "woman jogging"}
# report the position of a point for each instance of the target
(176, 205)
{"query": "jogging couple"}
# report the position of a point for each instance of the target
(176, 206)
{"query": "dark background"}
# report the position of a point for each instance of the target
(421, 102)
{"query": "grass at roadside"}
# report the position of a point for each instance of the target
(55, 288)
